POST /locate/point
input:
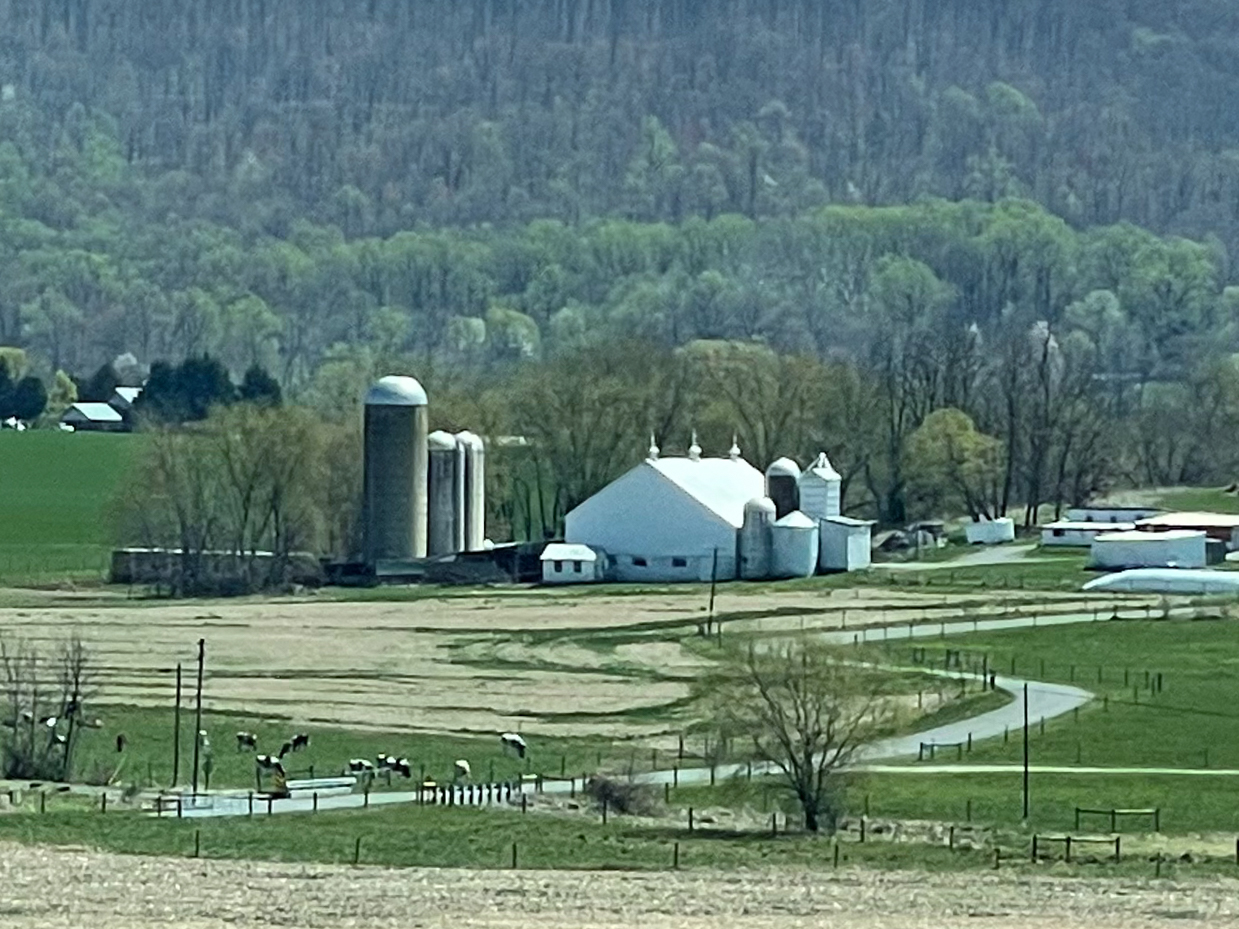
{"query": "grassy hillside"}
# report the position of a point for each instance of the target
(55, 490)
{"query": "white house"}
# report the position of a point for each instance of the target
(1081, 535)
(563, 563)
(670, 519)
(1175, 548)
(990, 531)
(846, 544)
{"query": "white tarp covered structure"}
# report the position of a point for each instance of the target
(1178, 548)
(991, 531)
(1168, 581)
(669, 519)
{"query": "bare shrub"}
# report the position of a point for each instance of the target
(626, 797)
(42, 708)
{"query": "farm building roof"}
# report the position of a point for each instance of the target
(1076, 526)
(1143, 535)
(567, 551)
(1192, 520)
(721, 485)
(93, 412)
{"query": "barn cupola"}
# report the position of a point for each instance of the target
(694, 450)
(653, 451)
(734, 452)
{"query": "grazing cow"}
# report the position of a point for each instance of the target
(360, 766)
(462, 770)
(403, 768)
(286, 748)
(513, 742)
(204, 740)
(247, 741)
(267, 762)
(120, 742)
(49, 721)
(300, 740)
(385, 762)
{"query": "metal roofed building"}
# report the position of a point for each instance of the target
(93, 417)
(564, 563)
(670, 519)
(1067, 533)
(1174, 548)
(1221, 526)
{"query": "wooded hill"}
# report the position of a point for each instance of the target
(378, 114)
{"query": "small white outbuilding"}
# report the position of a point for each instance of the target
(563, 563)
(991, 531)
(846, 544)
(1177, 548)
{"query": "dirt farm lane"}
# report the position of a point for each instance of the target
(48, 888)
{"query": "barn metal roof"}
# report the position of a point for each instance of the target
(95, 412)
(721, 485)
(568, 551)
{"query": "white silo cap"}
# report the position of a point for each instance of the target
(441, 441)
(396, 390)
(784, 467)
(762, 505)
(470, 440)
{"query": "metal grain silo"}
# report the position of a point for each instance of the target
(474, 483)
(794, 546)
(755, 538)
(444, 528)
(781, 486)
(395, 464)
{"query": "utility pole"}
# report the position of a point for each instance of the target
(1025, 751)
(176, 730)
(198, 711)
(713, 584)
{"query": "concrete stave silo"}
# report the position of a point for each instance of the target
(755, 539)
(395, 466)
(444, 524)
(794, 546)
(781, 486)
(473, 513)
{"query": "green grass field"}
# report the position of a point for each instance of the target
(57, 489)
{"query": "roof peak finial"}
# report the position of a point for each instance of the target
(652, 454)
(734, 452)
(694, 450)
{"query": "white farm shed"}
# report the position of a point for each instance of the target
(1177, 548)
(991, 531)
(846, 544)
(669, 519)
(563, 563)
(1105, 513)
(1081, 535)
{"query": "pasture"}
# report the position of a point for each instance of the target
(57, 488)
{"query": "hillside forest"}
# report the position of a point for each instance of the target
(980, 253)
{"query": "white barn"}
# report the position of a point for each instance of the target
(1176, 548)
(670, 519)
(563, 563)
(846, 544)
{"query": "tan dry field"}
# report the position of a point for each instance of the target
(52, 889)
(456, 664)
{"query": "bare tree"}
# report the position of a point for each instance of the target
(43, 709)
(805, 711)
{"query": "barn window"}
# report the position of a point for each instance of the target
(576, 566)
(559, 566)
(1058, 533)
(639, 562)
(679, 562)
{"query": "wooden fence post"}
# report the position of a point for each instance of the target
(513, 856)
(197, 843)
(357, 851)
(675, 856)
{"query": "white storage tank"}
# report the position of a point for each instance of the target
(474, 490)
(820, 489)
(394, 464)
(442, 532)
(991, 531)
(781, 479)
(846, 544)
(755, 538)
(794, 546)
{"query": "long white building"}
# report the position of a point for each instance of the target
(684, 519)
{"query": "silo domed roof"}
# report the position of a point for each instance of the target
(396, 390)
(441, 441)
(784, 467)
